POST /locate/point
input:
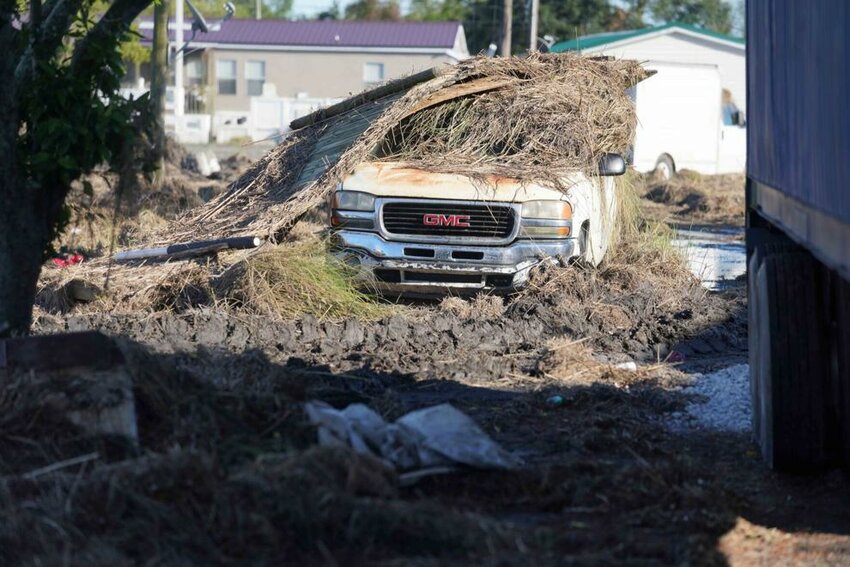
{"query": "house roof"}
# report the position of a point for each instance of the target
(324, 33)
(610, 38)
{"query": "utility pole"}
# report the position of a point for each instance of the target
(159, 79)
(259, 9)
(179, 93)
(535, 9)
(507, 26)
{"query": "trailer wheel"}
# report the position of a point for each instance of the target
(665, 167)
(789, 361)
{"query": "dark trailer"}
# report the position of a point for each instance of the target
(798, 229)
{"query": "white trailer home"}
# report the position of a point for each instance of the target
(691, 113)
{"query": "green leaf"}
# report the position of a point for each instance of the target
(67, 162)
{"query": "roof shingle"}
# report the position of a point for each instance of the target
(327, 33)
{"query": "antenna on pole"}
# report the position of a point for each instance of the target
(535, 11)
(507, 26)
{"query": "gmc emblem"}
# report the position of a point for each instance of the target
(433, 219)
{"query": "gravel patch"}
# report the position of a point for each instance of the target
(725, 403)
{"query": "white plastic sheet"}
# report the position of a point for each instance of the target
(433, 437)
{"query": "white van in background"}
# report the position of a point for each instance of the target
(686, 121)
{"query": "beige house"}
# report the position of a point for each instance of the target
(252, 77)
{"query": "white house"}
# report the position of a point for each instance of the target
(686, 113)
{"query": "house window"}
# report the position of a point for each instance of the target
(373, 72)
(225, 73)
(194, 72)
(255, 74)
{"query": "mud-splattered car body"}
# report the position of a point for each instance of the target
(415, 232)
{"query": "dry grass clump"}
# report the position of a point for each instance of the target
(571, 362)
(640, 245)
(284, 281)
(690, 196)
(291, 280)
(483, 306)
(127, 288)
(96, 231)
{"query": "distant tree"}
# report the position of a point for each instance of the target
(214, 9)
(481, 19)
(739, 18)
(628, 15)
(277, 9)
(715, 15)
(568, 19)
(134, 53)
(373, 10)
(332, 13)
(439, 10)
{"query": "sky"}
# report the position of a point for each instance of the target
(311, 8)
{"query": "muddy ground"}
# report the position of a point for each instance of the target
(227, 470)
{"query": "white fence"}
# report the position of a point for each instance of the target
(267, 118)
(270, 116)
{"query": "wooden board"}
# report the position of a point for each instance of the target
(57, 352)
(459, 90)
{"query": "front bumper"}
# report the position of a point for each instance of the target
(419, 268)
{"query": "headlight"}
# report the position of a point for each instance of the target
(546, 219)
(545, 231)
(353, 201)
(559, 210)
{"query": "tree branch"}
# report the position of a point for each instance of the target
(114, 22)
(52, 30)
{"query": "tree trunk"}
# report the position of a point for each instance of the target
(23, 239)
(19, 267)
(27, 222)
(159, 81)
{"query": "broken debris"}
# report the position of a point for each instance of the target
(431, 438)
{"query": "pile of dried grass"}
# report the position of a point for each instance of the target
(640, 243)
(570, 362)
(551, 114)
(481, 307)
(296, 279)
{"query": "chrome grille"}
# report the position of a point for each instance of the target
(485, 220)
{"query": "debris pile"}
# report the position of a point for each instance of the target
(220, 463)
(423, 442)
(533, 119)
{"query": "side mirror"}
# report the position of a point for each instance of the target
(612, 164)
(738, 118)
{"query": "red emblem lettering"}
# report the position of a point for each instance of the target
(434, 219)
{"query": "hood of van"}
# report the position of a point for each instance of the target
(386, 179)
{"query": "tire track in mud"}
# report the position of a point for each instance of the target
(429, 343)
